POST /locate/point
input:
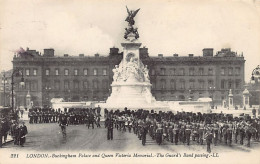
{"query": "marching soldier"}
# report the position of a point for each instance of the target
(188, 132)
(30, 117)
(109, 125)
(143, 133)
(176, 128)
(195, 133)
(170, 131)
(208, 138)
(229, 132)
(215, 133)
(159, 132)
(201, 131)
(236, 130)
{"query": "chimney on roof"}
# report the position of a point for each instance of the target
(207, 52)
(48, 52)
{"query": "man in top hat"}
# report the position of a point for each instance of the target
(22, 134)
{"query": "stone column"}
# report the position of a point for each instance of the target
(28, 100)
(246, 98)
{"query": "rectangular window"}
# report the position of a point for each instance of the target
(237, 71)
(85, 85)
(27, 85)
(163, 84)
(66, 85)
(182, 72)
(162, 71)
(66, 72)
(182, 84)
(230, 85)
(57, 72)
(222, 84)
(95, 73)
(222, 71)
(201, 84)
(33, 86)
(76, 72)
(172, 71)
(47, 72)
(192, 84)
(210, 71)
(85, 72)
(105, 84)
(76, 85)
(210, 83)
(95, 84)
(230, 71)
(34, 72)
(201, 71)
(27, 72)
(57, 85)
(237, 84)
(191, 71)
(104, 72)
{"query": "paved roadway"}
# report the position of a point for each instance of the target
(79, 137)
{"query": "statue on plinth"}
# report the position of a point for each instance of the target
(131, 22)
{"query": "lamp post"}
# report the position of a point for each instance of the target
(17, 73)
(4, 80)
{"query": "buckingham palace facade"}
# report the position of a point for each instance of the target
(88, 78)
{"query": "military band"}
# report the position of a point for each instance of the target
(177, 128)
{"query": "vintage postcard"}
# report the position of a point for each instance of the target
(120, 81)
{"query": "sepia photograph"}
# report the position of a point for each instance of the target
(120, 81)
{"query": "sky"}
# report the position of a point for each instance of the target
(165, 26)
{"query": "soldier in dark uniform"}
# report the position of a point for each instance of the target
(91, 119)
(63, 123)
(225, 132)
(208, 137)
(250, 130)
(159, 132)
(176, 128)
(215, 133)
(229, 132)
(188, 132)
(170, 131)
(201, 131)
(109, 125)
(30, 117)
(40, 117)
(22, 133)
(236, 130)
(195, 132)
(242, 132)
(143, 133)
(182, 132)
